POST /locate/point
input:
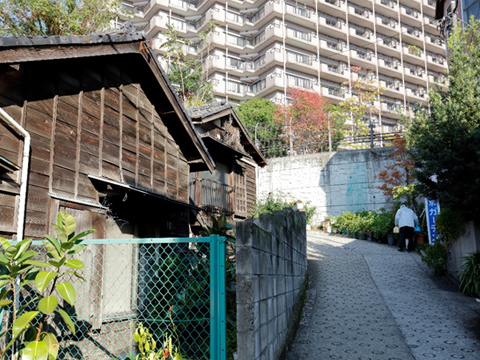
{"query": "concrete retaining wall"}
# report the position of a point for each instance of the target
(464, 246)
(271, 269)
(334, 182)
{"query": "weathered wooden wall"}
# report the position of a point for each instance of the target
(85, 117)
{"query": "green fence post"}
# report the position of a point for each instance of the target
(218, 301)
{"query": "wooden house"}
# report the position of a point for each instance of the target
(231, 189)
(110, 141)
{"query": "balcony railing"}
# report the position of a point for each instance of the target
(212, 195)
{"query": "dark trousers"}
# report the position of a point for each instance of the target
(406, 232)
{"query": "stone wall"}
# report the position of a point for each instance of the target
(271, 269)
(333, 182)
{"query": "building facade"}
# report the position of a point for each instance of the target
(262, 48)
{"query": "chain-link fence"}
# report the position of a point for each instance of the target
(172, 286)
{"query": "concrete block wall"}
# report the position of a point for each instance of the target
(333, 182)
(271, 269)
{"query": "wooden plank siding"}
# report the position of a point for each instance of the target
(89, 117)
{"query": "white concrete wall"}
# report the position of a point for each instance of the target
(334, 182)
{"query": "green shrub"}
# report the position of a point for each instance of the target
(383, 224)
(435, 256)
(273, 202)
(470, 279)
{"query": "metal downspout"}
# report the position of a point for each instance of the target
(24, 176)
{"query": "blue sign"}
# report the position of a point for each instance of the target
(432, 208)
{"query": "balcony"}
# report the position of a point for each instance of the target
(212, 195)
(299, 14)
(412, 35)
(388, 46)
(358, 34)
(436, 62)
(270, 83)
(386, 7)
(391, 87)
(335, 72)
(429, 7)
(434, 43)
(437, 78)
(332, 26)
(388, 65)
(415, 74)
(336, 8)
(335, 93)
(413, 54)
(386, 25)
(302, 62)
(361, 57)
(416, 94)
(302, 39)
(410, 16)
(360, 15)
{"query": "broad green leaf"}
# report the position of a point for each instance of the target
(76, 249)
(5, 243)
(22, 268)
(3, 293)
(52, 344)
(22, 322)
(5, 303)
(68, 321)
(26, 255)
(81, 235)
(69, 223)
(53, 240)
(35, 350)
(67, 245)
(11, 252)
(58, 263)
(48, 304)
(22, 246)
(75, 264)
(38, 263)
(4, 282)
(67, 292)
(60, 233)
(4, 260)
(43, 279)
(52, 251)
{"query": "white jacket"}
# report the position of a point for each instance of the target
(406, 217)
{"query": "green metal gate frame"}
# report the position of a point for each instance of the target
(217, 281)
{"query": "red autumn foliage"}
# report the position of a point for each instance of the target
(400, 172)
(307, 119)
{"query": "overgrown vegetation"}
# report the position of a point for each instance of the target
(60, 17)
(275, 201)
(470, 278)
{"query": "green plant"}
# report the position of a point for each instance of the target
(147, 346)
(310, 211)
(450, 225)
(470, 279)
(435, 257)
(273, 202)
(28, 332)
(383, 224)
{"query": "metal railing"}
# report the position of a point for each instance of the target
(212, 195)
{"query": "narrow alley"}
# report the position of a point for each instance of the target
(368, 301)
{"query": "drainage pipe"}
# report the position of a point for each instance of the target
(24, 176)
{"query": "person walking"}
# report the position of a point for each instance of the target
(406, 220)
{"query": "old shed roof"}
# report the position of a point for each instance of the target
(18, 50)
(206, 113)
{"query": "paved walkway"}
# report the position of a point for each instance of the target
(369, 301)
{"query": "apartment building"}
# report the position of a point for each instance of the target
(261, 48)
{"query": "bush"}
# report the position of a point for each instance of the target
(383, 224)
(435, 256)
(470, 279)
(450, 225)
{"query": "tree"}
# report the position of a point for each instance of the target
(257, 115)
(361, 104)
(60, 17)
(185, 71)
(306, 121)
(445, 142)
(398, 179)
